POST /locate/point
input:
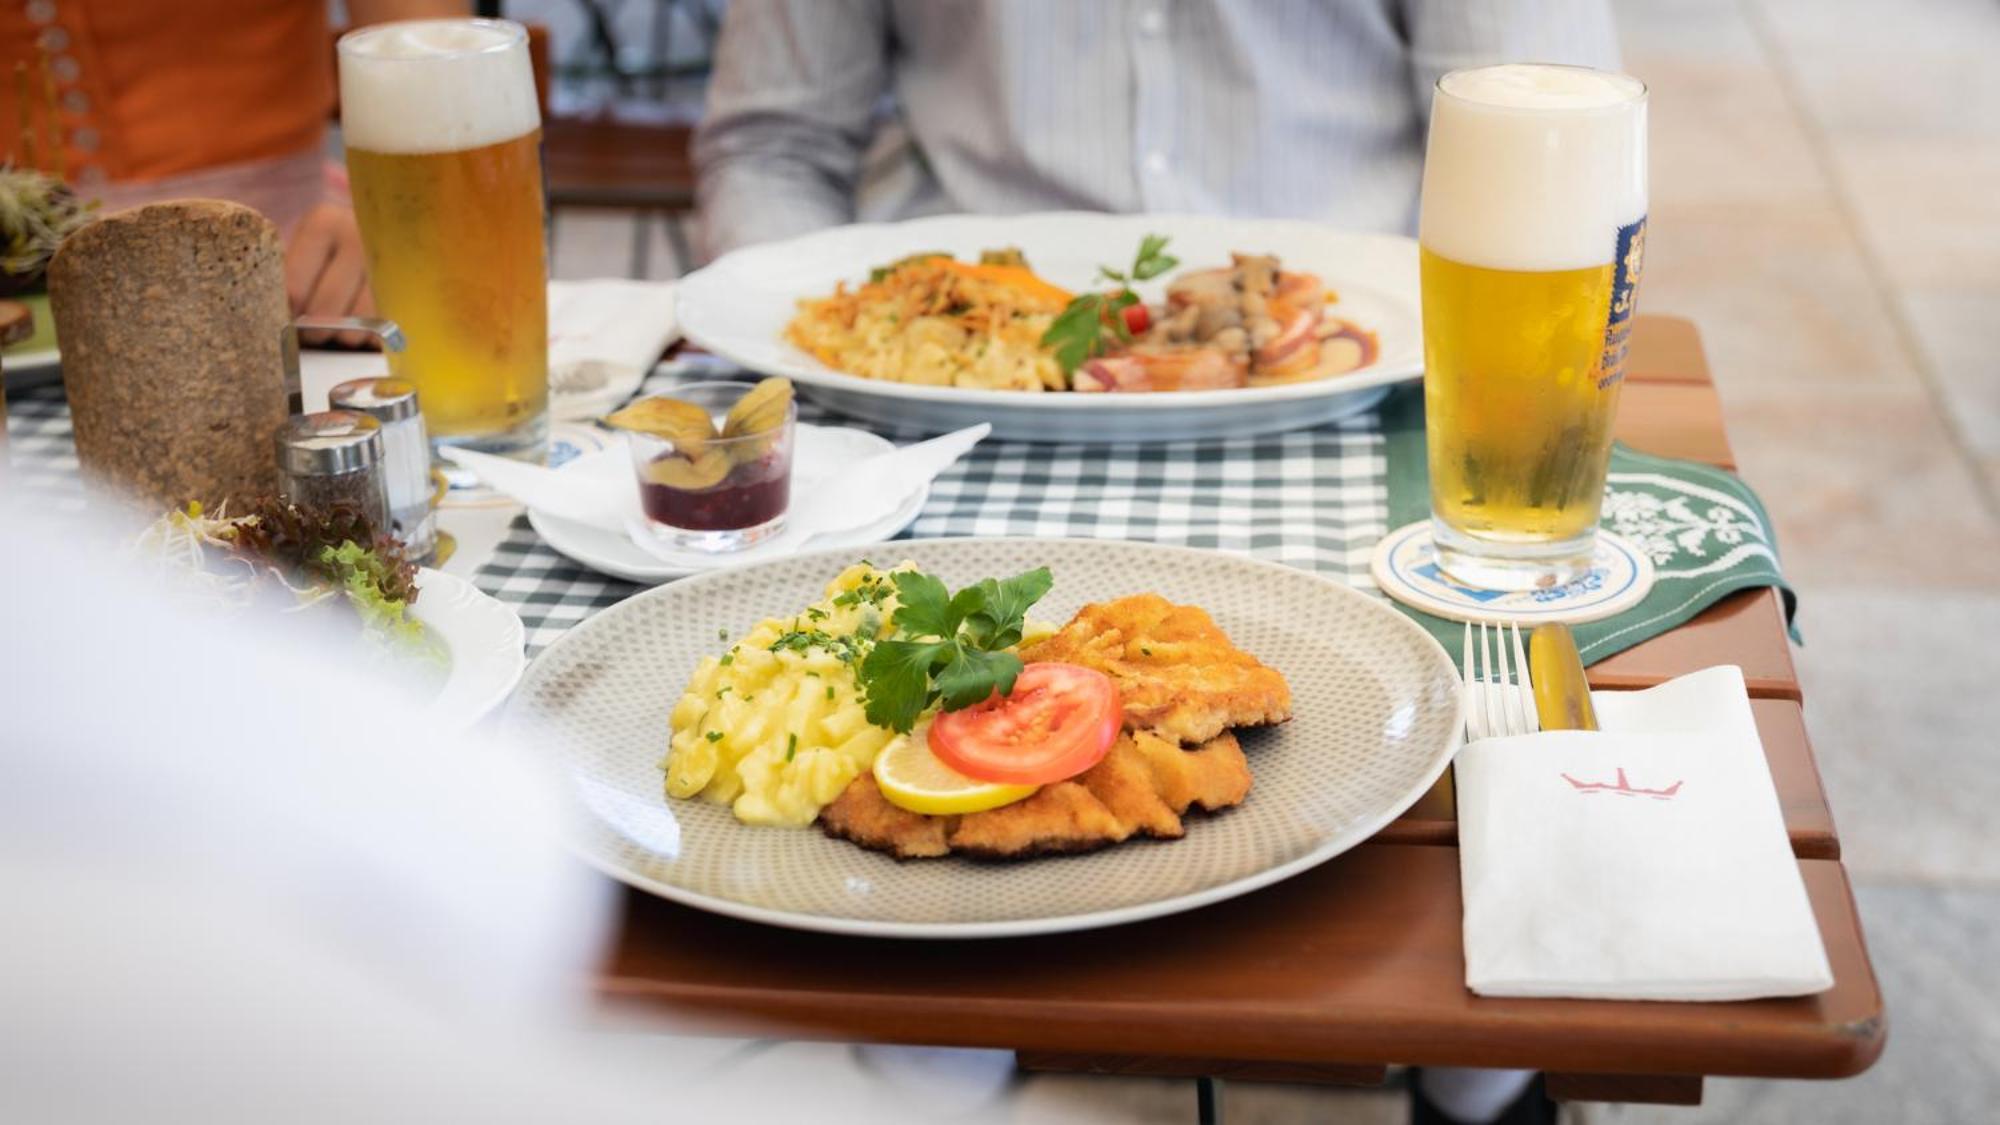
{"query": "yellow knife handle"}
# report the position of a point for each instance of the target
(1562, 695)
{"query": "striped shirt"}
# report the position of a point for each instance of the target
(1308, 109)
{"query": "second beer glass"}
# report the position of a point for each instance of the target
(1533, 232)
(443, 138)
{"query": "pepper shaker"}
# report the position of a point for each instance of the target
(406, 455)
(332, 457)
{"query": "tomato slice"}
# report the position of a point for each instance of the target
(1059, 722)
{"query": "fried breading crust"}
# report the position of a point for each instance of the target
(1142, 788)
(1177, 672)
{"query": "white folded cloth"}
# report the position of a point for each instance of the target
(1644, 861)
(603, 337)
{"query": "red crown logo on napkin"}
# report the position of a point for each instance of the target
(1623, 787)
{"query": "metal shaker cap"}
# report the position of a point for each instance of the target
(383, 398)
(332, 441)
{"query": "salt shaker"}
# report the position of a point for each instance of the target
(406, 455)
(331, 457)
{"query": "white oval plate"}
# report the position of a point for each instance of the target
(483, 638)
(821, 450)
(1376, 719)
(738, 306)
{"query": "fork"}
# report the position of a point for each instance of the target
(1499, 699)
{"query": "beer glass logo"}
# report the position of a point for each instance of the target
(1625, 270)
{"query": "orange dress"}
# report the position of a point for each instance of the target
(157, 99)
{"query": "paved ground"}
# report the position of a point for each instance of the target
(1827, 206)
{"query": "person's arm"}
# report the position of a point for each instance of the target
(790, 108)
(1445, 35)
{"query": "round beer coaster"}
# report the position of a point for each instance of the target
(1405, 568)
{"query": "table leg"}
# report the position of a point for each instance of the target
(1208, 1100)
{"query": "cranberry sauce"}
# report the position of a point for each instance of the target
(752, 494)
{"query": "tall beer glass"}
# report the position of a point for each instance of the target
(1533, 230)
(443, 144)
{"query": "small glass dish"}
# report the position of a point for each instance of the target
(714, 493)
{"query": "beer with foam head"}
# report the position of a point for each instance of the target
(1532, 236)
(443, 139)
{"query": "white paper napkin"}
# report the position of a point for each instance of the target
(601, 499)
(603, 338)
(1645, 861)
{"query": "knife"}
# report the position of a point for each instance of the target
(1555, 671)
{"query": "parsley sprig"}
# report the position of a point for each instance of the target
(950, 648)
(1092, 321)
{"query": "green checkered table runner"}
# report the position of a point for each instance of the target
(1318, 499)
(1312, 498)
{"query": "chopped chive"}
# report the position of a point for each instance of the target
(714, 736)
(829, 691)
(728, 658)
(722, 634)
(722, 691)
(791, 746)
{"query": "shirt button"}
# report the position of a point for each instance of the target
(1156, 163)
(65, 69)
(1153, 21)
(54, 39)
(76, 102)
(90, 175)
(85, 139)
(41, 11)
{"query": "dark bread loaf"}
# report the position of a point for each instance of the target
(169, 316)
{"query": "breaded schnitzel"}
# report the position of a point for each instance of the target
(1177, 672)
(1142, 787)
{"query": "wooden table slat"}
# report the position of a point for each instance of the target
(1781, 725)
(1321, 1074)
(1651, 1089)
(607, 160)
(1746, 629)
(1666, 349)
(1682, 420)
(1357, 962)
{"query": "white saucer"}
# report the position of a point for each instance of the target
(1405, 568)
(484, 639)
(819, 451)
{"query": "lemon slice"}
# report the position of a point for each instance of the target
(911, 777)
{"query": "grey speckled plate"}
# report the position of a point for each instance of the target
(1376, 719)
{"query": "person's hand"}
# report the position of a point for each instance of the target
(326, 274)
